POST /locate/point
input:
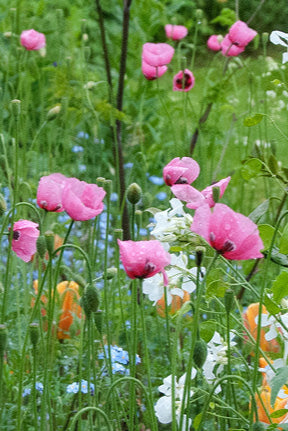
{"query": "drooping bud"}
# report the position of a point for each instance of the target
(53, 112)
(70, 275)
(229, 300)
(111, 273)
(199, 255)
(3, 339)
(90, 300)
(41, 246)
(216, 194)
(34, 333)
(200, 353)
(134, 193)
(49, 237)
(3, 206)
(98, 319)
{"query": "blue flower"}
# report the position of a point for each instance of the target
(38, 386)
(77, 149)
(158, 181)
(118, 368)
(161, 196)
(74, 387)
(83, 135)
(128, 165)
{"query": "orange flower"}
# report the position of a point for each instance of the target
(249, 322)
(176, 304)
(68, 294)
(280, 403)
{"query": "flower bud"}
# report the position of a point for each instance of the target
(100, 181)
(70, 275)
(216, 194)
(98, 319)
(258, 426)
(41, 246)
(53, 112)
(34, 333)
(199, 14)
(118, 233)
(200, 353)
(16, 107)
(3, 339)
(3, 206)
(199, 255)
(49, 237)
(229, 300)
(265, 38)
(134, 193)
(111, 273)
(90, 300)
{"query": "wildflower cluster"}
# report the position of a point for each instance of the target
(119, 358)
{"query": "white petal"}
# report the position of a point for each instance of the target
(271, 334)
(177, 291)
(163, 410)
(284, 57)
(277, 36)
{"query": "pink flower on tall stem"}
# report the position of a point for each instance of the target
(49, 192)
(180, 84)
(157, 54)
(82, 201)
(214, 42)
(32, 40)
(25, 234)
(231, 234)
(181, 171)
(143, 259)
(237, 39)
(194, 198)
(175, 32)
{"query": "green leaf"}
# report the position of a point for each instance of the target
(207, 330)
(278, 413)
(283, 246)
(253, 120)
(251, 169)
(196, 421)
(280, 287)
(266, 232)
(279, 258)
(271, 306)
(273, 164)
(259, 211)
(226, 18)
(277, 382)
(276, 82)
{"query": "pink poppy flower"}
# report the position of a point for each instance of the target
(32, 40)
(157, 54)
(49, 192)
(229, 49)
(181, 171)
(151, 72)
(25, 234)
(82, 201)
(240, 34)
(231, 234)
(195, 199)
(189, 81)
(143, 259)
(214, 42)
(175, 32)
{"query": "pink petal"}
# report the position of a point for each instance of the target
(229, 49)
(183, 171)
(213, 42)
(32, 40)
(240, 34)
(208, 191)
(175, 32)
(151, 72)
(201, 222)
(157, 54)
(187, 193)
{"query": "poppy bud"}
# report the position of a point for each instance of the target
(134, 193)
(53, 112)
(70, 275)
(200, 353)
(34, 333)
(111, 273)
(229, 300)
(41, 246)
(199, 255)
(16, 107)
(3, 206)
(49, 237)
(216, 194)
(90, 300)
(258, 426)
(98, 321)
(118, 233)
(199, 14)
(265, 38)
(3, 339)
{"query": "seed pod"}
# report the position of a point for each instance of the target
(53, 112)
(49, 237)
(199, 255)
(134, 193)
(200, 353)
(111, 272)
(229, 300)
(34, 333)
(90, 300)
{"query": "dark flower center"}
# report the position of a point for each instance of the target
(148, 269)
(16, 235)
(181, 180)
(187, 82)
(227, 246)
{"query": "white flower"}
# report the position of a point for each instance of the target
(280, 38)
(180, 279)
(172, 222)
